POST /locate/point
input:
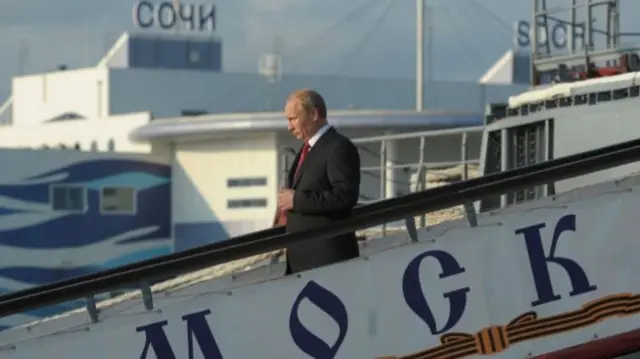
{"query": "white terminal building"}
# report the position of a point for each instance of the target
(156, 150)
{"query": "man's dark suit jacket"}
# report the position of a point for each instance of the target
(326, 188)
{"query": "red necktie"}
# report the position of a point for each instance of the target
(281, 217)
(303, 155)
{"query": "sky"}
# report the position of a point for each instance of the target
(361, 37)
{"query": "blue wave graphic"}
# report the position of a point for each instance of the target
(38, 275)
(4, 327)
(98, 169)
(94, 171)
(46, 312)
(136, 257)
(76, 230)
(138, 180)
(152, 182)
(29, 193)
(7, 211)
(49, 311)
(147, 237)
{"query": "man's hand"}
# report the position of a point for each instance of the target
(285, 199)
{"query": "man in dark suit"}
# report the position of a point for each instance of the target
(323, 184)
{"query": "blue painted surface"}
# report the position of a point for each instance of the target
(165, 53)
(7, 211)
(44, 312)
(137, 256)
(34, 275)
(192, 235)
(75, 236)
(92, 227)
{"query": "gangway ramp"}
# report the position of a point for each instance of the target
(499, 299)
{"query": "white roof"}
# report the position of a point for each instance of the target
(171, 128)
(575, 88)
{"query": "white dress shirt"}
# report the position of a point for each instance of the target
(314, 139)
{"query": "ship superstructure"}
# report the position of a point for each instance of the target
(596, 44)
(582, 99)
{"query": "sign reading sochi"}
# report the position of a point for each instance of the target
(167, 15)
(556, 34)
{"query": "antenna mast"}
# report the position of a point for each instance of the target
(419, 55)
(270, 66)
(176, 9)
(592, 36)
(23, 56)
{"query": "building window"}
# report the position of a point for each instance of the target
(118, 200)
(247, 203)
(194, 56)
(193, 112)
(247, 182)
(68, 198)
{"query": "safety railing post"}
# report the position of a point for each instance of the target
(504, 161)
(463, 156)
(383, 178)
(412, 231)
(469, 209)
(421, 182)
(147, 295)
(284, 160)
(92, 309)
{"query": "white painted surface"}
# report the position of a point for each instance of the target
(39, 98)
(101, 92)
(96, 134)
(550, 92)
(201, 171)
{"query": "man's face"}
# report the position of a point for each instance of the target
(300, 124)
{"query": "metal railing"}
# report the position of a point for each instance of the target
(394, 209)
(421, 167)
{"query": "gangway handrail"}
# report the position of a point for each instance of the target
(385, 211)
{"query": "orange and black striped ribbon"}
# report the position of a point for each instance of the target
(527, 326)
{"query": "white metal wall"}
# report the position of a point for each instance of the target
(165, 93)
(38, 98)
(200, 192)
(106, 134)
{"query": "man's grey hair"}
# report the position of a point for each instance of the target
(310, 100)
